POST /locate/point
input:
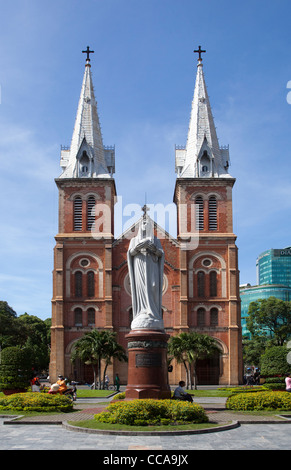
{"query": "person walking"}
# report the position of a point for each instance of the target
(106, 382)
(117, 383)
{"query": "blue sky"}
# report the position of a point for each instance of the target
(144, 73)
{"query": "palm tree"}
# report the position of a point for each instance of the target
(187, 348)
(113, 351)
(95, 346)
(177, 348)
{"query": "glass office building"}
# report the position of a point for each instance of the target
(273, 278)
(274, 267)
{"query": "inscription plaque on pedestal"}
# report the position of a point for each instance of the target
(148, 360)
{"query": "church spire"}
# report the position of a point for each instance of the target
(87, 156)
(202, 156)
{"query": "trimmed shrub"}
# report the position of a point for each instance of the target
(267, 400)
(119, 396)
(15, 368)
(243, 389)
(274, 361)
(272, 380)
(32, 401)
(152, 412)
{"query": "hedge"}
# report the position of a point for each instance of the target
(33, 401)
(15, 368)
(152, 412)
(275, 386)
(268, 400)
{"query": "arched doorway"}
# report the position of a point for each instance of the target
(82, 372)
(208, 370)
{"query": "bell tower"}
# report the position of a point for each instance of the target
(82, 275)
(209, 276)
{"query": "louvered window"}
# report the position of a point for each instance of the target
(213, 283)
(78, 284)
(201, 284)
(212, 213)
(199, 213)
(78, 317)
(214, 317)
(91, 284)
(200, 317)
(91, 316)
(90, 212)
(77, 213)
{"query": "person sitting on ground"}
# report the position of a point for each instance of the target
(180, 394)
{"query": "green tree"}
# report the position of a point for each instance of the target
(15, 368)
(113, 351)
(270, 318)
(9, 329)
(187, 348)
(253, 349)
(27, 331)
(274, 361)
(95, 346)
(36, 338)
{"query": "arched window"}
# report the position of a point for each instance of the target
(201, 284)
(90, 212)
(212, 213)
(200, 317)
(213, 283)
(205, 164)
(91, 284)
(78, 317)
(214, 317)
(77, 213)
(84, 164)
(199, 213)
(91, 316)
(78, 284)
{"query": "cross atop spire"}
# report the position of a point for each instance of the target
(145, 210)
(88, 52)
(200, 51)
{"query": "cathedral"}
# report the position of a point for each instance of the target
(91, 287)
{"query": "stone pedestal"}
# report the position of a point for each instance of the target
(147, 365)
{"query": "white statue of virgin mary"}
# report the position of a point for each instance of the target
(145, 259)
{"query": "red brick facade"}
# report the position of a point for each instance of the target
(201, 279)
(207, 303)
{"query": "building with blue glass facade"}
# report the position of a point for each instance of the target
(273, 278)
(274, 267)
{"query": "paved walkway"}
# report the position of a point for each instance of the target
(273, 434)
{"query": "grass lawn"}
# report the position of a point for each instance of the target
(84, 393)
(93, 424)
(210, 393)
(88, 393)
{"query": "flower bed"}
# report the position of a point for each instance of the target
(35, 402)
(152, 412)
(266, 400)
